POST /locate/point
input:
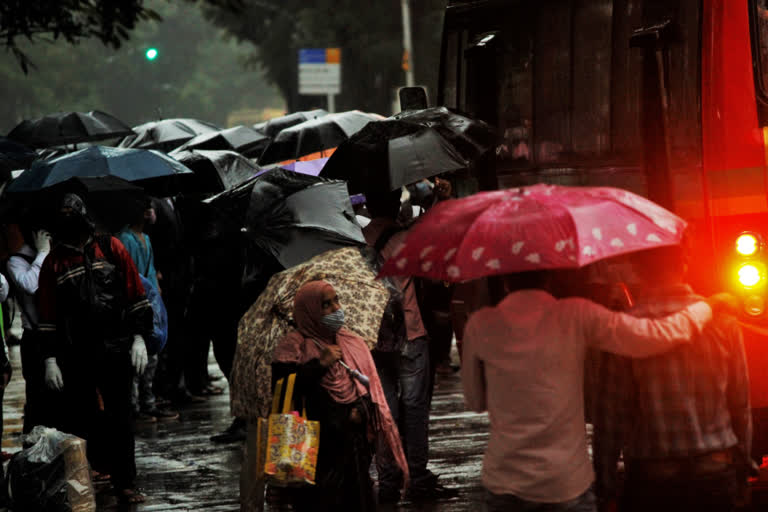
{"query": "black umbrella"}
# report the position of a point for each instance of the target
(275, 125)
(150, 169)
(108, 199)
(292, 216)
(167, 134)
(315, 135)
(408, 147)
(242, 139)
(69, 128)
(217, 171)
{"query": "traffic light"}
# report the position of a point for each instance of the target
(151, 54)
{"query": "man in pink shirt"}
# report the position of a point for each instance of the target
(404, 373)
(524, 363)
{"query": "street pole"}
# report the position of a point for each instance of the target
(407, 43)
(331, 104)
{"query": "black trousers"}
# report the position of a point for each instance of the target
(97, 407)
(37, 407)
(714, 492)
(204, 326)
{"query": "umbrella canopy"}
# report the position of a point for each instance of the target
(315, 135)
(145, 168)
(531, 228)
(275, 125)
(69, 128)
(292, 216)
(167, 134)
(217, 171)
(311, 167)
(13, 156)
(409, 147)
(242, 139)
(350, 271)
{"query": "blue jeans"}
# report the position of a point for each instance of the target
(405, 379)
(510, 503)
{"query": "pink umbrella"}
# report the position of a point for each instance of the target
(531, 228)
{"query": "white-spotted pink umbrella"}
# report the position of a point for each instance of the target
(531, 228)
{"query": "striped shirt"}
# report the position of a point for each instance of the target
(689, 401)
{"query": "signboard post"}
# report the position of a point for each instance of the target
(320, 73)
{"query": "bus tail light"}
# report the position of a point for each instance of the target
(747, 244)
(749, 275)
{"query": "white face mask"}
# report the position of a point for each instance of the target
(334, 321)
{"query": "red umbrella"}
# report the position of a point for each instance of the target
(531, 228)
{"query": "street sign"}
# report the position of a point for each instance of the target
(319, 71)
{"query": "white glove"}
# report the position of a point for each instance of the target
(53, 377)
(42, 241)
(139, 354)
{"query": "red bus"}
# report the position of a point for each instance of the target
(667, 98)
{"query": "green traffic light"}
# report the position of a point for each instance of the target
(151, 54)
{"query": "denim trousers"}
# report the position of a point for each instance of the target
(509, 503)
(405, 379)
(142, 394)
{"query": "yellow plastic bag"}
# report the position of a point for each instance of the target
(292, 442)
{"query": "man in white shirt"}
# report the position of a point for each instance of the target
(24, 273)
(524, 363)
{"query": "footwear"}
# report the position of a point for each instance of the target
(389, 496)
(145, 418)
(162, 414)
(186, 398)
(130, 496)
(435, 492)
(236, 432)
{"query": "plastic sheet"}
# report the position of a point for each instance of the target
(51, 474)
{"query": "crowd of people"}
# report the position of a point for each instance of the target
(676, 410)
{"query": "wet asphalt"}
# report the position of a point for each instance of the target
(180, 469)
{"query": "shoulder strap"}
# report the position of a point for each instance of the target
(105, 244)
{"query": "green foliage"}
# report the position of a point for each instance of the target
(200, 72)
(369, 34)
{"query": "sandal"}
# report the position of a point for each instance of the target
(130, 496)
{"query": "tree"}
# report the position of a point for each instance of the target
(199, 72)
(369, 34)
(108, 21)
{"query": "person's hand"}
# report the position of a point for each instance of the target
(330, 355)
(355, 416)
(42, 241)
(53, 378)
(139, 357)
(724, 303)
(443, 189)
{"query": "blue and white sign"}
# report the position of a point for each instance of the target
(319, 71)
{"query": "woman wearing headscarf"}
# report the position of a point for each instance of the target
(355, 421)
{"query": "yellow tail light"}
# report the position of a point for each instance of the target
(749, 275)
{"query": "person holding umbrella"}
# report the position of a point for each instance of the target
(94, 316)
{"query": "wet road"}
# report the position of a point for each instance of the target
(180, 469)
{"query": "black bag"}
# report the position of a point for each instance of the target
(392, 333)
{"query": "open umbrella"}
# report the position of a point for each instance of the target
(350, 271)
(149, 169)
(292, 216)
(69, 128)
(13, 156)
(275, 125)
(167, 134)
(408, 147)
(531, 228)
(315, 136)
(242, 139)
(217, 171)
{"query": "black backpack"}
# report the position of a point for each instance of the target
(392, 333)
